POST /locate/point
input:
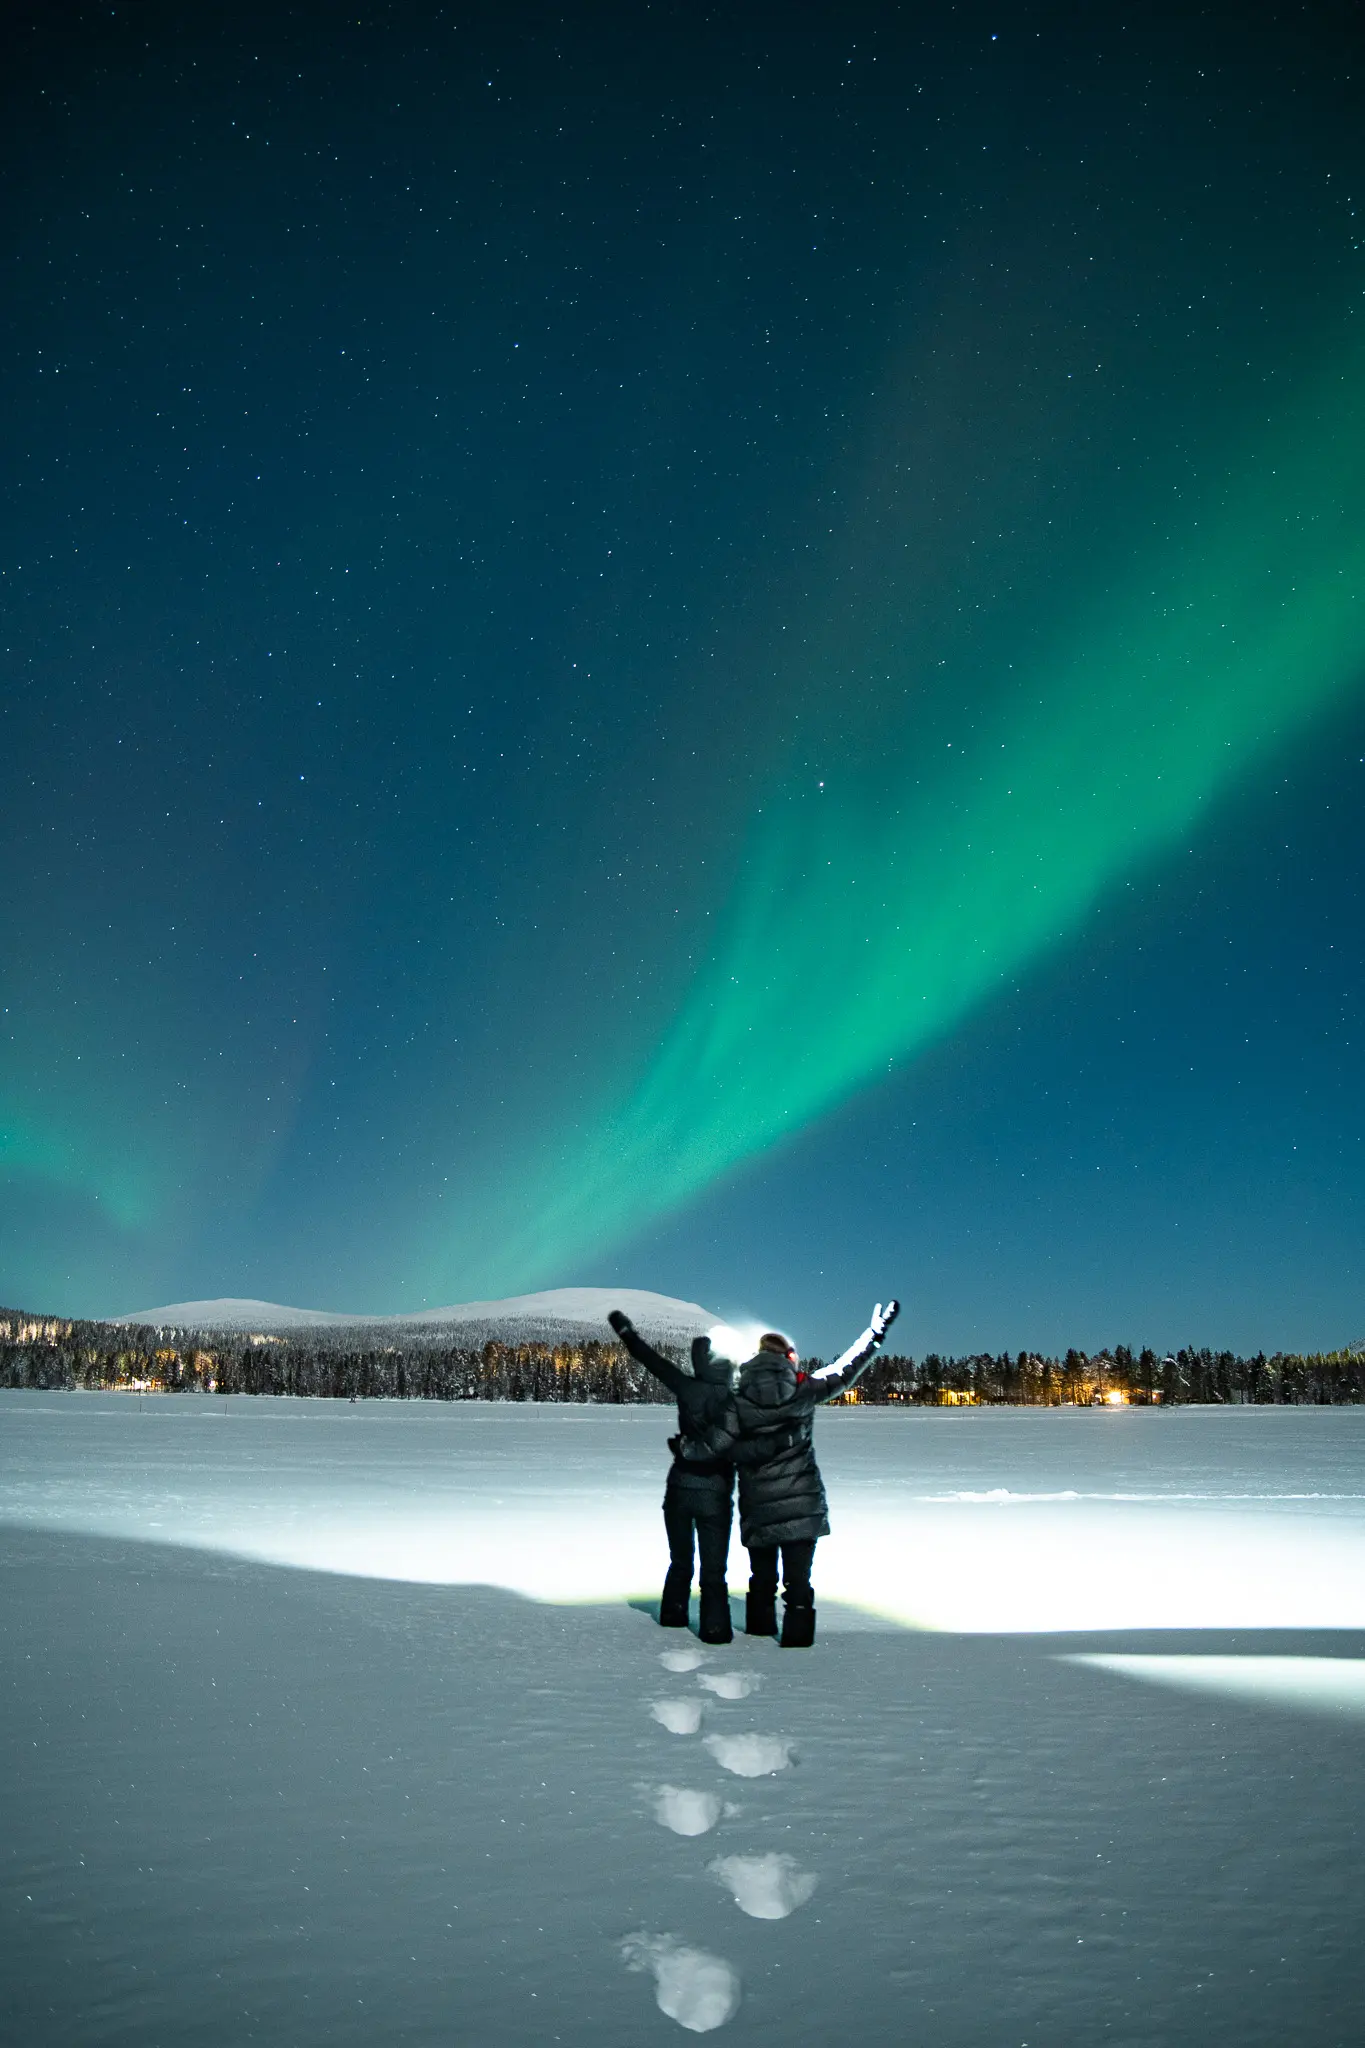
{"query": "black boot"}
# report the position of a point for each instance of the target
(715, 1626)
(760, 1612)
(798, 1626)
(674, 1603)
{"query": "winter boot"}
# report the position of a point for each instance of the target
(760, 1612)
(714, 1625)
(798, 1626)
(674, 1602)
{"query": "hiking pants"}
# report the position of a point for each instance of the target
(688, 1532)
(797, 1559)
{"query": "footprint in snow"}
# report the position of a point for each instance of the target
(699, 1991)
(687, 1813)
(765, 1887)
(680, 1717)
(730, 1685)
(751, 1756)
(685, 1659)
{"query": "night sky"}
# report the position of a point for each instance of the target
(714, 648)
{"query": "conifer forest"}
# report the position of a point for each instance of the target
(51, 1353)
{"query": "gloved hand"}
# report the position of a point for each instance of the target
(620, 1322)
(701, 1354)
(883, 1318)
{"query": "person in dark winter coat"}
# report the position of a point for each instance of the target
(782, 1504)
(699, 1494)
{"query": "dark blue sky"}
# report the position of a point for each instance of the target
(457, 464)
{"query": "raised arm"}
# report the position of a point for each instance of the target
(837, 1378)
(673, 1376)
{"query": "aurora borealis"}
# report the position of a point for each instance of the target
(717, 651)
(867, 921)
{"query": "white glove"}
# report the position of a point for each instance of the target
(883, 1318)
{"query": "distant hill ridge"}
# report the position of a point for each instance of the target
(558, 1312)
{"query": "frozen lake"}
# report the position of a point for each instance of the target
(337, 1724)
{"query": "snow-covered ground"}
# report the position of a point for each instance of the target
(337, 1724)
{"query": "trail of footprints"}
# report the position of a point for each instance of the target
(698, 1990)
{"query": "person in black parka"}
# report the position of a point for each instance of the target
(782, 1504)
(699, 1494)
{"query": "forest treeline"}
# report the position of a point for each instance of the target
(51, 1352)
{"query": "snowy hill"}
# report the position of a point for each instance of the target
(559, 1311)
(236, 1314)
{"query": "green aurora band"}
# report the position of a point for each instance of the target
(41, 1150)
(864, 926)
